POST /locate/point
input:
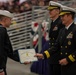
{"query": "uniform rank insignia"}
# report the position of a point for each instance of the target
(55, 28)
(69, 42)
(70, 35)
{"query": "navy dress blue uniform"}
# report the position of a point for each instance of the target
(6, 49)
(66, 46)
(56, 25)
(53, 68)
(53, 34)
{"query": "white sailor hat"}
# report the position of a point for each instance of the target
(54, 5)
(67, 10)
(6, 13)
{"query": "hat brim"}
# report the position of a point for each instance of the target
(63, 13)
(50, 8)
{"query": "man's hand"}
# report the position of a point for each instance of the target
(2, 73)
(63, 61)
(40, 56)
(28, 62)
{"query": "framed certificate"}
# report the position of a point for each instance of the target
(27, 55)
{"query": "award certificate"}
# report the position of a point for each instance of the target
(27, 55)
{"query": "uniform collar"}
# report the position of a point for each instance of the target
(55, 19)
(67, 27)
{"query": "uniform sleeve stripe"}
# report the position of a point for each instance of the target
(71, 58)
(47, 54)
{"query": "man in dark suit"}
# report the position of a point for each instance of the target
(5, 45)
(65, 44)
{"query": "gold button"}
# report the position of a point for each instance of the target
(52, 43)
(65, 46)
(49, 43)
(61, 46)
(49, 48)
(69, 42)
(73, 55)
(66, 53)
(61, 53)
(53, 38)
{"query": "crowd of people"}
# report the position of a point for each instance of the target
(18, 6)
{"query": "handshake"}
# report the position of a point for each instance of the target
(38, 55)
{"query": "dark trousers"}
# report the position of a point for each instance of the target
(69, 69)
(54, 69)
(5, 71)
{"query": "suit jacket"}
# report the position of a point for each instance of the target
(5, 48)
